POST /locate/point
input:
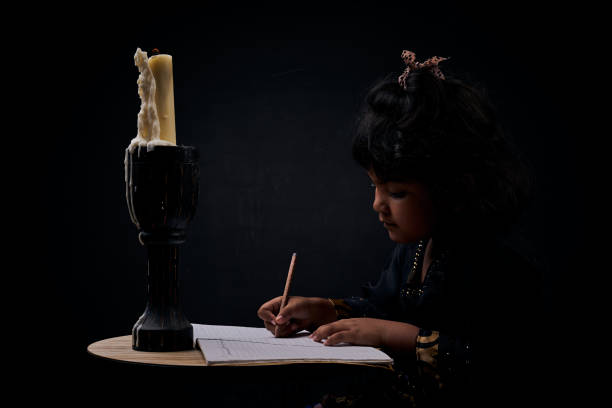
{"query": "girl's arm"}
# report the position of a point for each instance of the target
(398, 337)
(445, 359)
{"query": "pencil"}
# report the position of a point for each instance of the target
(287, 285)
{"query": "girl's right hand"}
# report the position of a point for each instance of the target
(300, 313)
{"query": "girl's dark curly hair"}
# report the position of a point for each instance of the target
(446, 135)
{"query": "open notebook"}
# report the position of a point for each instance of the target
(235, 345)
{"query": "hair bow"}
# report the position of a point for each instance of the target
(411, 65)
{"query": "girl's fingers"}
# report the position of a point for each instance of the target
(338, 337)
(327, 330)
(268, 310)
(289, 312)
(287, 329)
(266, 315)
(270, 326)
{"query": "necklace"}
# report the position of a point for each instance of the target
(406, 289)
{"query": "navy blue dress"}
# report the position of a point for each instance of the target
(476, 310)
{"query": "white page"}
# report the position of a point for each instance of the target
(231, 344)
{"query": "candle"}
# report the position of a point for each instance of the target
(161, 67)
(156, 116)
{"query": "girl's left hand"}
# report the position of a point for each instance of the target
(361, 331)
(399, 337)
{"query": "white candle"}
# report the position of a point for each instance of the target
(161, 66)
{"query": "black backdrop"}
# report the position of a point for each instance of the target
(269, 97)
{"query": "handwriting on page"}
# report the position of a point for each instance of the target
(252, 335)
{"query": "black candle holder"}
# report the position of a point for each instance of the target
(162, 187)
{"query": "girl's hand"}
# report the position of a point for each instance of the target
(365, 331)
(298, 314)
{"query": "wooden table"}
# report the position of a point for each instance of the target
(120, 348)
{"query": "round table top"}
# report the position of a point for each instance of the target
(120, 348)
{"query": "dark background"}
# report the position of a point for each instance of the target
(269, 97)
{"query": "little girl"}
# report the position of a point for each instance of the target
(455, 304)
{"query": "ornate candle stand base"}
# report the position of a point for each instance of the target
(162, 188)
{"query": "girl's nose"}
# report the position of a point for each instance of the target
(379, 205)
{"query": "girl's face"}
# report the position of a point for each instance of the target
(405, 208)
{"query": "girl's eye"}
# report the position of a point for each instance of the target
(401, 194)
(372, 185)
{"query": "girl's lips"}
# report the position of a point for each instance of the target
(389, 225)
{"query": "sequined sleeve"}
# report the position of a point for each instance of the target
(444, 361)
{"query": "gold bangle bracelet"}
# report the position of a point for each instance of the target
(334, 306)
